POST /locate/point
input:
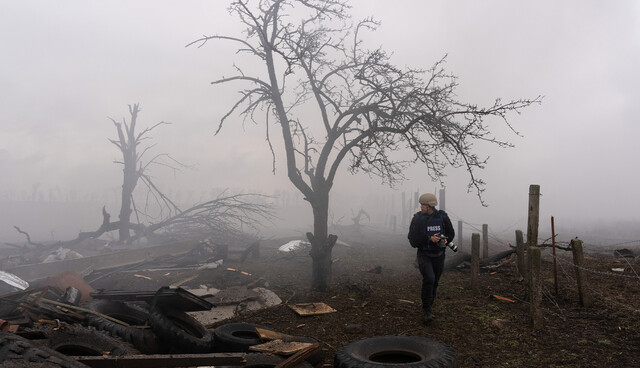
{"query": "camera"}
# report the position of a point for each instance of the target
(443, 243)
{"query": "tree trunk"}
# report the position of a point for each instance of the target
(128, 185)
(321, 244)
(128, 143)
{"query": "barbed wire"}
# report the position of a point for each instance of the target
(631, 266)
(490, 234)
(615, 244)
(599, 272)
(604, 297)
(596, 271)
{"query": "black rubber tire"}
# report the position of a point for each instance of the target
(263, 360)
(16, 351)
(131, 313)
(395, 351)
(236, 337)
(180, 332)
(85, 341)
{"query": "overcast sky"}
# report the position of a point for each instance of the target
(69, 65)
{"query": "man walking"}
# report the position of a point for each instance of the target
(428, 227)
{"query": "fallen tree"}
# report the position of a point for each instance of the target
(460, 258)
(225, 216)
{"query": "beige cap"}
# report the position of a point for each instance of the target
(428, 199)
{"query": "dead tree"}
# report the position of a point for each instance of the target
(356, 218)
(133, 166)
(226, 215)
(363, 108)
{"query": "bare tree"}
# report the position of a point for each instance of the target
(227, 217)
(128, 142)
(366, 109)
(226, 214)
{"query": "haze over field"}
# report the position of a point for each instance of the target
(69, 65)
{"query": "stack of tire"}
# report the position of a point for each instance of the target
(152, 329)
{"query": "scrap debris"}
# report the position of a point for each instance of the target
(13, 280)
(280, 347)
(182, 282)
(294, 245)
(310, 309)
(503, 298)
(235, 270)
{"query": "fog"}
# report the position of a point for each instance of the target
(69, 66)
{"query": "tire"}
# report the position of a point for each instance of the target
(131, 313)
(16, 351)
(180, 332)
(395, 351)
(86, 341)
(236, 337)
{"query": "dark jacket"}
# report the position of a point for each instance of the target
(423, 226)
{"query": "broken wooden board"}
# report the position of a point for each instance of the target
(271, 335)
(310, 309)
(163, 360)
(280, 347)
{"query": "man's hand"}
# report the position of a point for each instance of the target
(435, 238)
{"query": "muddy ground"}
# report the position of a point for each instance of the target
(375, 290)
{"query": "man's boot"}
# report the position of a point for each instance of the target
(427, 316)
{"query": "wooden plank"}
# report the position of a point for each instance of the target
(309, 309)
(280, 347)
(299, 356)
(265, 334)
(163, 360)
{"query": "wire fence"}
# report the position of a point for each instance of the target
(603, 296)
(606, 295)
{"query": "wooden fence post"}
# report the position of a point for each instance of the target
(533, 222)
(485, 241)
(459, 235)
(520, 254)
(534, 215)
(475, 261)
(578, 261)
(535, 287)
